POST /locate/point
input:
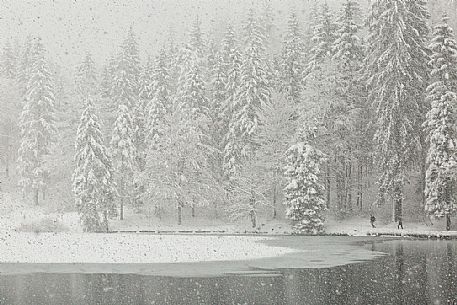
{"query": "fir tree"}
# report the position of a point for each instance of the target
(37, 123)
(93, 178)
(196, 42)
(161, 101)
(441, 125)
(86, 77)
(251, 95)
(323, 39)
(126, 91)
(304, 193)
(396, 74)
(292, 66)
(124, 154)
(9, 62)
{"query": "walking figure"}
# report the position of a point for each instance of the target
(372, 220)
(400, 223)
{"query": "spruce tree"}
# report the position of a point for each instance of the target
(126, 91)
(440, 124)
(124, 155)
(396, 72)
(322, 41)
(304, 193)
(93, 178)
(37, 123)
(86, 77)
(161, 101)
(9, 62)
(292, 63)
(251, 95)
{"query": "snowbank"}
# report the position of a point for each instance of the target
(130, 248)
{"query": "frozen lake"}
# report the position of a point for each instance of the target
(330, 271)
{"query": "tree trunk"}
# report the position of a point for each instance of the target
(448, 222)
(35, 196)
(216, 212)
(348, 181)
(328, 184)
(398, 203)
(274, 197)
(121, 214)
(193, 209)
(359, 184)
(7, 158)
(105, 220)
(179, 213)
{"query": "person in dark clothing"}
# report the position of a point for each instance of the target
(372, 220)
(400, 223)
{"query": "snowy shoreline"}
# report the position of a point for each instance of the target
(38, 248)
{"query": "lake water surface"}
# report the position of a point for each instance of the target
(413, 272)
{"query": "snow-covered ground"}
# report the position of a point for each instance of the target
(23, 247)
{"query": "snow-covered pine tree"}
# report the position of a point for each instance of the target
(196, 42)
(304, 192)
(93, 177)
(126, 91)
(86, 77)
(232, 61)
(440, 124)
(37, 123)
(25, 63)
(396, 76)
(9, 62)
(292, 61)
(322, 40)
(252, 93)
(347, 48)
(123, 152)
(345, 111)
(192, 93)
(161, 100)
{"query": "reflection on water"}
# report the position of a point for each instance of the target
(415, 272)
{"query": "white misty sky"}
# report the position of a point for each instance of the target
(71, 27)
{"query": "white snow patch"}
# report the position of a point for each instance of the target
(130, 248)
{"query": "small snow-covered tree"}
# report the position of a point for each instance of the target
(93, 177)
(304, 193)
(37, 123)
(440, 124)
(124, 154)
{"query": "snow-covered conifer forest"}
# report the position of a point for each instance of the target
(259, 115)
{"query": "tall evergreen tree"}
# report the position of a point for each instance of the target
(292, 66)
(9, 62)
(37, 123)
(93, 177)
(322, 40)
(161, 101)
(86, 77)
(126, 91)
(251, 95)
(441, 124)
(396, 77)
(124, 155)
